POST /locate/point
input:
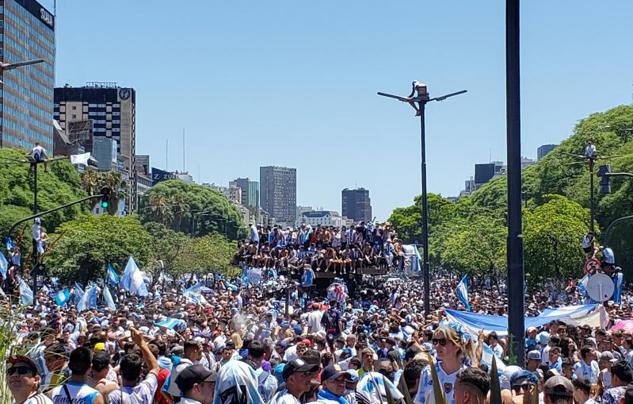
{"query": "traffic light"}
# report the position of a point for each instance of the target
(105, 197)
(605, 179)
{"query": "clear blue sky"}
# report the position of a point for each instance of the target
(294, 83)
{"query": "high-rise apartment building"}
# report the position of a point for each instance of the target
(543, 150)
(356, 204)
(26, 95)
(250, 191)
(279, 193)
(112, 111)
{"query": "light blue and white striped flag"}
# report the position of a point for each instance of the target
(79, 290)
(171, 323)
(132, 279)
(88, 299)
(462, 292)
(26, 294)
(486, 358)
(62, 297)
(113, 276)
(4, 266)
(582, 285)
(373, 385)
(108, 298)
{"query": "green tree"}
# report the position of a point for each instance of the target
(93, 181)
(90, 242)
(211, 253)
(58, 186)
(407, 220)
(476, 246)
(167, 245)
(552, 235)
(191, 208)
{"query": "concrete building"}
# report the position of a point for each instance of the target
(484, 172)
(356, 204)
(112, 110)
(322, 218)
(278, 187)
(249, 189)
(143, 175)
(26, 99)
(543, 150)
(526, 162)
(104, 150)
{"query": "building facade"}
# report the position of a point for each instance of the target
(543, 150)
(26, 95)
(278, 187)
(249, 189)
(324, 218)
(356, 204)
(484, 172)
(112, 113)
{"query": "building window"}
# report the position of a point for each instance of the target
(74, 108)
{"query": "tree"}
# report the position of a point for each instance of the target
(211, 253)
(476, 246)
(552, 239)
(407, 221)
(167, 245)
(58, 186)
(93, 181)
(90, 242)
(191, 208)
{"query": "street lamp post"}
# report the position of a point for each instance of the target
(418, 102)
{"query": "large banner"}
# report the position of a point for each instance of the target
(593, 315)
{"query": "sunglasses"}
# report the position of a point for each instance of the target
(441, 341)
(21, 370)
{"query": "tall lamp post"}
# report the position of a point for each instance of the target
(418, 102)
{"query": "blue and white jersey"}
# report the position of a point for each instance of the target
(447, 382)
(74, 393)
(586, 372)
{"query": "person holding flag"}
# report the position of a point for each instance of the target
(462, 292)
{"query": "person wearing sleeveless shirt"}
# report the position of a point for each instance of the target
(76, 390)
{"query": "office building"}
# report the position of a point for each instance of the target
(484, 172)
(543, 150)
(250, 191)
(526, 162)
(28, 33)
(104, 150)
(325, 218)
(278, 193)
(112, 112)
(143, 174)
(356, 204)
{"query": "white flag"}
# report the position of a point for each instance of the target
(80, 158)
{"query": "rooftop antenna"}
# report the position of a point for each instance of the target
(183, 151)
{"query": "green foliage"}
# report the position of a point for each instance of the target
(476, 246)
(191, 208)
(211, 253)
(93, 181)
(552, 234)
(407, 221)
(58, 186)
(167, 245)
(90, 242)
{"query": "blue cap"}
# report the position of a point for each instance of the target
(608, 255)
(523, 377)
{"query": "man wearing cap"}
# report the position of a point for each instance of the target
(197, 385)
(533, 360)
(297, 375)
(606, 361)
(333, 380)
(23, 380)
(558, 390)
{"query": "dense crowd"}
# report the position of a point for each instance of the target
(270, 341)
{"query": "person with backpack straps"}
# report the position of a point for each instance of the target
(76, 389)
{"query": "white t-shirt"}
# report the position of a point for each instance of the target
(142, 393)
(283, 397)
(447, 382)
(38, 398)
(314, 321)
(75, 393)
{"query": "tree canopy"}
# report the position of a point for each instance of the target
(191, 208)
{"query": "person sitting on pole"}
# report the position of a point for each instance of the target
(38, 155)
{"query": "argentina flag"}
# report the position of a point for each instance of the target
(4, 265)
(26, 294)
(462, 292)
(113, 276)
(62, 296)
(108, 298)
(172, 323)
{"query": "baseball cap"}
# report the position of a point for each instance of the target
(298, 366)
(332, 372)
(607, 356)
(523, 377)
(15, 359)
(559, 386)
(535, 355)
(192, 375)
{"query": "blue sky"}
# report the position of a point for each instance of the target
(294, 83)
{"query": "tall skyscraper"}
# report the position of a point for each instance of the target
(279, 193)
(356, 204)
(112, 110)
(26, 95)
(543, 150)
(250, 191)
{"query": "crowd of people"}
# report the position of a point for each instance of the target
(270, 341)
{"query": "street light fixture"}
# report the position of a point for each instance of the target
(418, 102)
(10, 66)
